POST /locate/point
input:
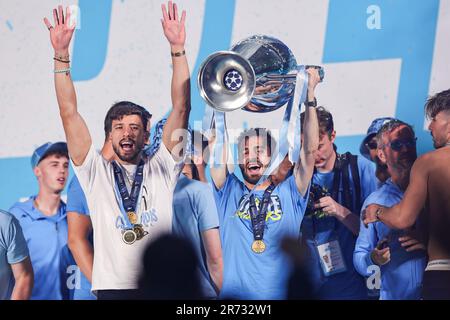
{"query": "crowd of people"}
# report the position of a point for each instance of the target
(142, 221)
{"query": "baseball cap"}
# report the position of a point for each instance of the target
(49, 147)
(374, 127)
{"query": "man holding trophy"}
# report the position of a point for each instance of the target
(255, 215)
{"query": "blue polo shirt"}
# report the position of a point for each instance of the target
(76, 202)
(13, 249)
(47, 243)
(250, 275)
(194, 212)
(401, 278)
(316, 231)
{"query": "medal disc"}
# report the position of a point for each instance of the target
(129, 237)
(258, 246)
(139, 230)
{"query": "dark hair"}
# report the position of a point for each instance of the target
(125, 108)
(390, 126)
(437, 103)
(325, 118)
(268, 140)
(57, 153)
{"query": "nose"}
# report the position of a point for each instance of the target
(127, 132)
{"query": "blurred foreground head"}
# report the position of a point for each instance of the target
(169, 270)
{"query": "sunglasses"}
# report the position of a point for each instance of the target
(398, 144)
(371, 145)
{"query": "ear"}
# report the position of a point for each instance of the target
(333, 136)
(381, 155)
(147, 137)
(37, 172)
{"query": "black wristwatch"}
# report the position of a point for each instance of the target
(311, 103)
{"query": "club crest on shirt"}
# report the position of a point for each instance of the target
(274, 212)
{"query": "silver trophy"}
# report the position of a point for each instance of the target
(258, 74)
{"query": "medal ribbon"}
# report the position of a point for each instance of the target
(129, 200)
(258, 217)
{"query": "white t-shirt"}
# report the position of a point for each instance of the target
(117, 265)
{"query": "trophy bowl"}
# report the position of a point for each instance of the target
(275, 70)
(226, 81)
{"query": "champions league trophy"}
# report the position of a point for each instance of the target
(258, 74)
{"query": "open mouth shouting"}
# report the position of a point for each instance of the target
(254, 168)
(127, 146)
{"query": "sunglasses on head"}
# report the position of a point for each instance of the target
(398, 144)
(371, 145)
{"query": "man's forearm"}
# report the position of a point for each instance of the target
(77, 134)
(350, 220)
(393, 218)
(215, 269)
(23, 287)
(180, 88)
(83, 254)
(65, 90)
(180, 94)
(218, 168)
(305, 165)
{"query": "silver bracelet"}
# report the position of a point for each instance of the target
(62, 70)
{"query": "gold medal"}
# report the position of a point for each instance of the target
(258, 246)
(132, 216)
(139, 230)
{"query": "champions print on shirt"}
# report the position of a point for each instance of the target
(148, 217)
(274, 211)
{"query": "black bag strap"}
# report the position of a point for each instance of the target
(347, 197)
(356, 182)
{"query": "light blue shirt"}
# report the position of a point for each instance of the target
(47, 242)
(76, 202)
(250, 275)
(13, 249)
(401, 278)
(316, 231)
(194, 212)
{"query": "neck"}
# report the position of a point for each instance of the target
(135, 161)
(262, 186)
(329, 164)
(382, 173)
(401, 179)
(47, 202)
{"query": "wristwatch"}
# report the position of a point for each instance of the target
(311, 103)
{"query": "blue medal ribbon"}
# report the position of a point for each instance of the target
(258, 217)
(129, 200)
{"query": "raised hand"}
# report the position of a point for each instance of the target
(174, 29)
(61, 33)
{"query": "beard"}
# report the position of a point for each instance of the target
(252, 178)
(128, 156)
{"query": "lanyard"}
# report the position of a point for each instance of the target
(258, 217)
(129, 200)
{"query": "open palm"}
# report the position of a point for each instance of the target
(174, 29)
(60, 34)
